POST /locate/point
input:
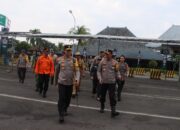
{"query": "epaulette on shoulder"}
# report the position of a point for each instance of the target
(114, 61)
(74, 60)
(60, 59)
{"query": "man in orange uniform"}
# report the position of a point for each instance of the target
(45, 69)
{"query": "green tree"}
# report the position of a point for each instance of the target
(22, 45)
(60, 46)
(48, 44)
(35, 42)
(177, 57)
(80, 30)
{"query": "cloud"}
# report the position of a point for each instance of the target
(145, 18)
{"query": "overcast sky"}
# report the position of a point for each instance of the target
(145, 18)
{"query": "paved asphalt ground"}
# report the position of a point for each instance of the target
(146, 105)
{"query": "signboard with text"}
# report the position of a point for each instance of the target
(4, 21)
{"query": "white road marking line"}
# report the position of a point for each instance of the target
(148, 87)
(92, 108)
(153, 96)
(149, 96)
(132, 94)
(11, 80)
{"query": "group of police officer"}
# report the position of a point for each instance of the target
(67, 71)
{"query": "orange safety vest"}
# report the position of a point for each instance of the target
(44, 65)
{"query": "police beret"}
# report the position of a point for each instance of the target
(108, 51)
(78, 53)
(67, 47)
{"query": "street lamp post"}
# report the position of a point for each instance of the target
(139, 57)
(70, 11)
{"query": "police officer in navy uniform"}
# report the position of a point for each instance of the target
(108, 72)
(93, 73)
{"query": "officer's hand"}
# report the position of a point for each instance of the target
(100, 81)
(120, 78)
(91, 77)
(77, 83)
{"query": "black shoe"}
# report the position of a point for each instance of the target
(119, 99)
(40, 91)
(22, 81)
(113, 112)
(61, 119)
(73, 96)
(44, 95)
(102, 108)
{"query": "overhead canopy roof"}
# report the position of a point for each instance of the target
(70, 36)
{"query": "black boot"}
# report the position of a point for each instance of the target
(22, 81)
(61, 119)
(44, 94)
(73, 95)
(102, 108)
(119, 97)
(65, 112)
(40, 91)
(113, 112)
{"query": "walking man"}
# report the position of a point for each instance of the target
(21, 66)
(45, 70)
(96, 85)
(101, 55)
(54, 58)
(81, 66)
(123, 68)
(34, 61)
(108, 72)
(67, 72)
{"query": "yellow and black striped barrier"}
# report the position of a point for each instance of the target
(131, 72)
(155, 74)
(170, 74)
(139, 71)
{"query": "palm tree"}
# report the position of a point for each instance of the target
(60, 46)
(80, 30)
(35, 42)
